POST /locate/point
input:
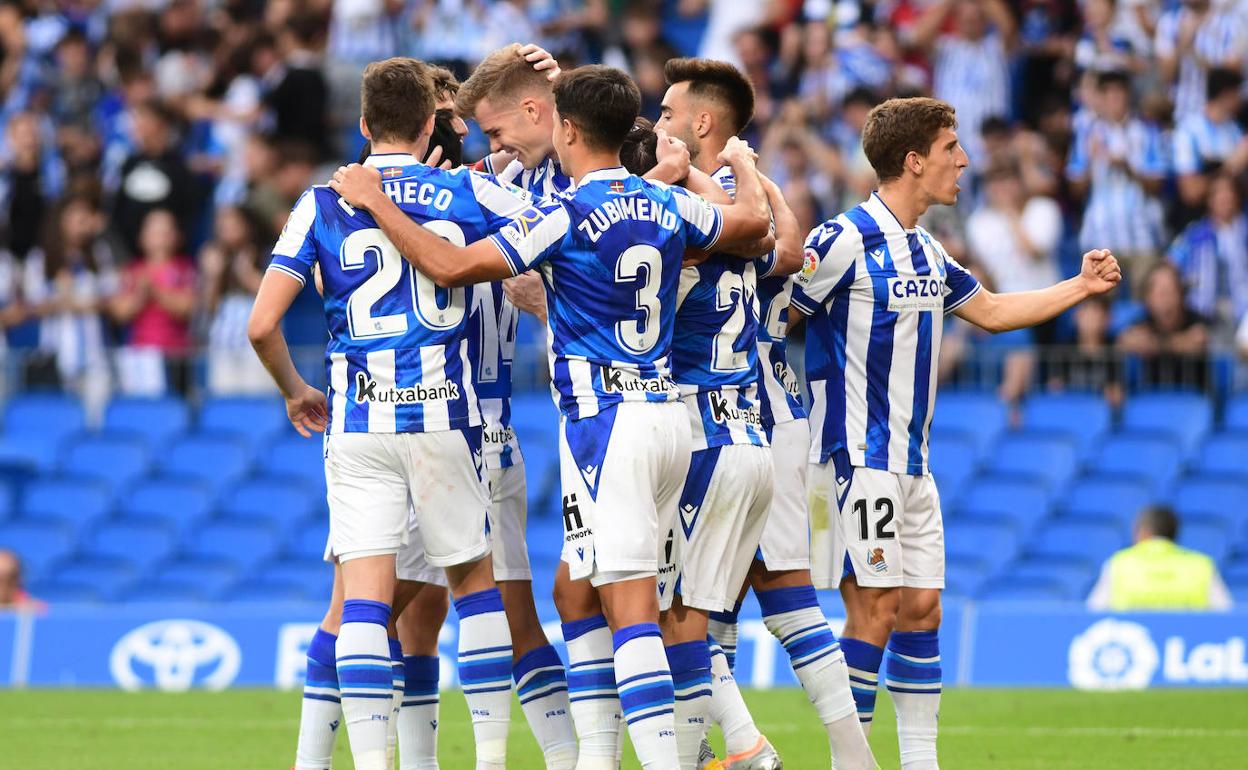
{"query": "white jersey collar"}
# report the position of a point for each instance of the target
(604, 175)
(391, 159)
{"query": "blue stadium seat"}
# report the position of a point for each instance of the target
(962, 579)
(253, 590)
(135, 544)
(61, 591)
(155, 419)
(980, 414)
(952, 457)
(33, 452)
(172, 501)
(1006, 498)
(1236, 416)
(1186, 416)
(240, 544)
(984, 544)
(210, 580)
(1051, 459)
(117, 460)
(1212, 540)
(162, 591)
(74, 501)
(7, 504)
(39, 544)
(316, 576)
(1107, 498)
(1083, 416)
(1225, 454)
(1007, 588)
(1235, 575)
(282, 502)
(47, 416)
(1153, 459)
(1082, 542)
(297, 457)
(1210, 498)
(215, 460)
(307, 543)
(1075, 578)
(109, 579)
(256, 420)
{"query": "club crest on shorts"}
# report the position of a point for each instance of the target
(875, 559)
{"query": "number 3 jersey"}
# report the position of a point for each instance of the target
(609, 251)
(398, 356)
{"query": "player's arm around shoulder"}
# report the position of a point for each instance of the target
(997, 313)
(445, 263)
(747, 222)
(786, 232)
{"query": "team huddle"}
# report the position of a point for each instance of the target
(669, 272)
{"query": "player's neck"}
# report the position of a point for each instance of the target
(707, 160)
(415, 149)
(905, 200)
(589, 161)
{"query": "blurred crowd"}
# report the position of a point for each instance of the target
(152, 149)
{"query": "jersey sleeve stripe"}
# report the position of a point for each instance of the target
(950, 308)
(291, 271)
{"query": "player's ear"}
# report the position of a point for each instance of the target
(704, 124)
(532, 110)
(569, 132)
(364, 132)
(914, 162)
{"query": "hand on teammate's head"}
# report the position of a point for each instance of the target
(541, 59)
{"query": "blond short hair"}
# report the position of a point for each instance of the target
(504, 73)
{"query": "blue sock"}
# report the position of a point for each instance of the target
(366, 679)
(485, 672)
(321, 712)
(542, 685)
(592, 696)
(864, 661)
(418, 718)
(913, 678)
(690, 663)
(646, 695)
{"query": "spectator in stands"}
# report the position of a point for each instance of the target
(1119, 161)
(1212, 256)
(1192, 38)
(31, 180)
(76, 95)
(155, 303)
(231, 266)
(1015, 235)
(1091, 365)
(1102, 46)
(296, 90)
(1210, 139)
(971, 62)
(78, 277)
(1157, 574)
(1172, 339)
(155, 176)
(12, 594)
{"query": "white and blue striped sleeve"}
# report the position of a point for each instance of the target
(960, 285)
(828, 264)
(532, 236)
(295, 251)
(499, 201)
(1152, 161)
(703, 221)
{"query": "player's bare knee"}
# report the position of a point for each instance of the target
(920, 609)
(574, 599)
(471, 577)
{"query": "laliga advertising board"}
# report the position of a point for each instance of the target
(181, 646)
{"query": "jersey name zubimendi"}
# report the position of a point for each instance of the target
(714, 351)
(397, 358)
(609, 252)
(877, 295)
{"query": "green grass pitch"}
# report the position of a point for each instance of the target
(1000, 729)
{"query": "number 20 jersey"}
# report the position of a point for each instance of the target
(398, 358)
(609, 251)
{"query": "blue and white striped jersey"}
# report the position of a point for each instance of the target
(609, 251)
(1199, 143)
(779, 391)
(714, 350)
(397, 356)
(973, 76)
(876, 295)
(1221, 37)
(1120, 214)
(494, 325)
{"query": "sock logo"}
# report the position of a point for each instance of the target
(433, 723)
(333, 725)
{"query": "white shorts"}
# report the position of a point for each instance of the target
(375, 479)
(884, 528)
(508, 515)
(411, 563)
(785, 544)
(622, 471)
(722, 512)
